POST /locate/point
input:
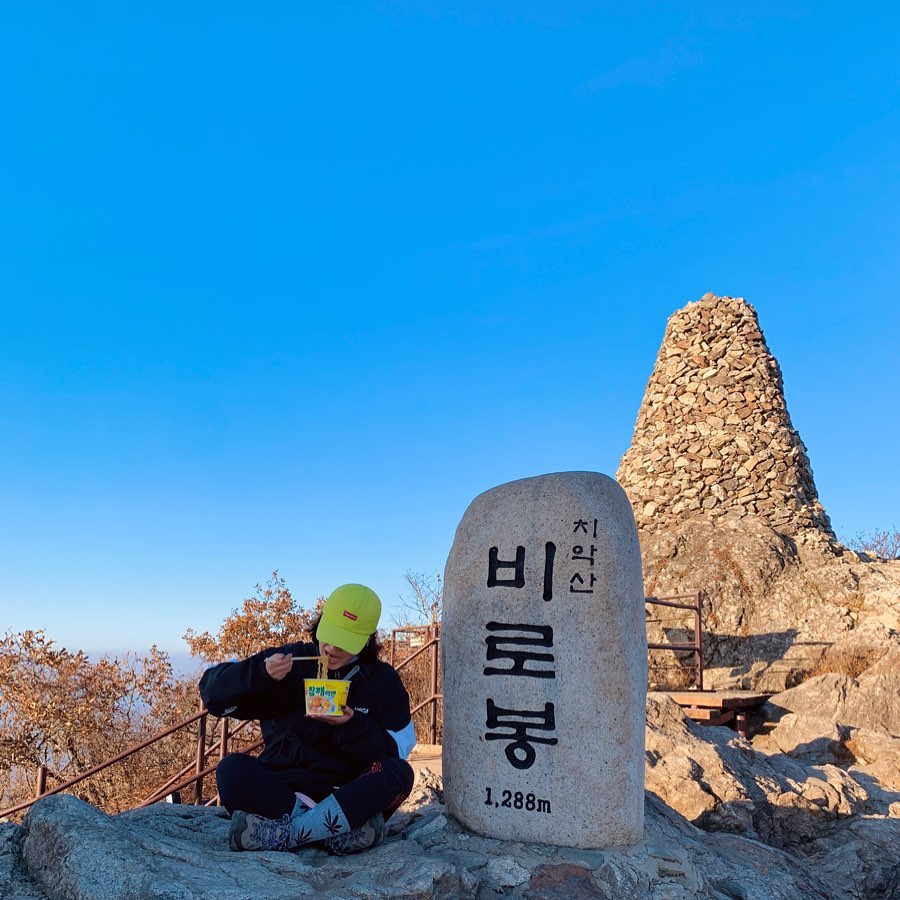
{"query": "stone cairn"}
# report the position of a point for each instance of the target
(713, 435)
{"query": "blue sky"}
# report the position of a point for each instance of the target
(286, 287)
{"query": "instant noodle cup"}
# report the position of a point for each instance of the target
(325, 696)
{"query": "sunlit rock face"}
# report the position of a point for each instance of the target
(725, 503)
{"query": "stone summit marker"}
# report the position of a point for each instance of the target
(544, 654)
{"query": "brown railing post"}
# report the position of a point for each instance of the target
(223, 738)
(201, 759)
(41, 781)
(434, 682)
(696, 646)
(698, 639)
(223, 750)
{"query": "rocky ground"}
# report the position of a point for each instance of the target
(809, 809)
(67, 849)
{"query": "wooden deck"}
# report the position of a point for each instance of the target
(719, 707)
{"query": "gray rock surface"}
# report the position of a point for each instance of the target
(813, 738)
(876, 755)
(165, 852)
(871, 701)
(721, 783)
(544, 620)
(842, 821)
(14, 881)
(835, 718)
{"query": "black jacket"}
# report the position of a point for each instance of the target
(335, 753)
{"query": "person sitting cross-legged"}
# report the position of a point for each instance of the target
(327, 779)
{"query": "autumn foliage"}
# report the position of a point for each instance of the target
(270, 618)
(61, 710)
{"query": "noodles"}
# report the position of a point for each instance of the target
(321, 660)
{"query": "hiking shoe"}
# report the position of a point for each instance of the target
(369, 834)
(252, 832)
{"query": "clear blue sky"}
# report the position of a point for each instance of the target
(286, 285)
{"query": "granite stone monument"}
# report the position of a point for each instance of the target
(544, 655)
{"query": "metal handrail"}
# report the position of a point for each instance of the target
(195, 778)
(424, 703)
(432, 644)
(175, 783)
(201, 715)
(697, 646)
(181, 779)
(224, 734)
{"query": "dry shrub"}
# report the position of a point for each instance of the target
(882, 543)
(849, 661)
(666, 672)
(270, 618)
(852, 747)
(61, 710)
(423, 607)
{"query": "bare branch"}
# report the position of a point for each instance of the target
(423, 601)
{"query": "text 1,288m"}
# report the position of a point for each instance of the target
(517, 800)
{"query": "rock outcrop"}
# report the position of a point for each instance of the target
(724, 498)
(841, 820)
(835, 718)
(776, 607)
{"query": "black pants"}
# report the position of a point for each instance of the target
(245, 783)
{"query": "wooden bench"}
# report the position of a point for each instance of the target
(719, 707)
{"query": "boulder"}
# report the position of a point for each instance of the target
(718, 781)
(14, 881)
(877, 755)
(845, 823)
(871, 701)
(812, 738)
(863, 860)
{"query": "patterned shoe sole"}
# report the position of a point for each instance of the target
(368, 835)
(251, 832)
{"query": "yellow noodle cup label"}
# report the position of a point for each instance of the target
(325, 696)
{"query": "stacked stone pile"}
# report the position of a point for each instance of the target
(713, 435)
